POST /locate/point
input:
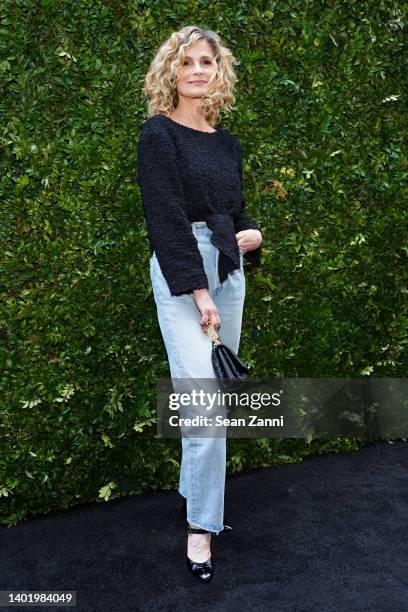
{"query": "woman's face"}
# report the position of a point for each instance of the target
(197, 72)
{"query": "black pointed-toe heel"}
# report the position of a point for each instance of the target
(227, 526)
(205, 570)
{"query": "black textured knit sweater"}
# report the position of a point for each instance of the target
(188, 175)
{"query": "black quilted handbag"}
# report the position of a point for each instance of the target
(230, 370)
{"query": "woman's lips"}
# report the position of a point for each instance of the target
(197, 82)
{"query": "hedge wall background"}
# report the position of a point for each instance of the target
(321, 112)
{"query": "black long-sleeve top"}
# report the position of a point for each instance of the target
(188, 175)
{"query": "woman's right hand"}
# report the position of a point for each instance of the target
(209, 311)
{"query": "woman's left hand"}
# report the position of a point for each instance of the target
(249, 239)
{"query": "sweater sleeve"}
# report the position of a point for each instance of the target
(170, 231)
(242, 221)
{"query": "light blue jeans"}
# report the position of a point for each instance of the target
(203, 465)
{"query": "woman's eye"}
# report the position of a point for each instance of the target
(205, 62)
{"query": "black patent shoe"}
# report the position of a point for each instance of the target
(227, 527)
(205, 570)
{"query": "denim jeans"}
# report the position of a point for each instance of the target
(203, 465)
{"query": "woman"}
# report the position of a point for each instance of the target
(190, 175)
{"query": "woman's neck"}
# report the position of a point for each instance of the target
(198, 123)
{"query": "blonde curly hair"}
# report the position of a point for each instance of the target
(160, 87)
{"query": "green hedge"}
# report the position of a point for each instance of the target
(321, 112)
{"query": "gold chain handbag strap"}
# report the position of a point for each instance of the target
(212, 333)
